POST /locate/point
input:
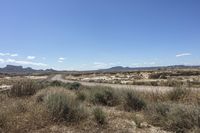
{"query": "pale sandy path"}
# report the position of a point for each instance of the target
(118, 86)
(5, 88)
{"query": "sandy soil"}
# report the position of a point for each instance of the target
(4, 88)
(37, 77)
(118, 86)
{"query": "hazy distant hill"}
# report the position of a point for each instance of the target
(20, 70)
(123, 69)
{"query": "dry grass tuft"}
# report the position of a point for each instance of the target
(99, 116)
(178, 94)
(25, 88)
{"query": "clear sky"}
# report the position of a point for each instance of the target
(93, 34)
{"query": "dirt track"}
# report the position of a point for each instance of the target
(118, 86)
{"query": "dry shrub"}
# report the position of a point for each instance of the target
(3, 120)
(178, 94)
(38, 117)
(104, 96)
(22, 115)
(70, 86)
(174, 117)
(133, 101)
(82, 95)
(25, 88)
(184, 118)
(44, 93)
(64, 107)
(154, 96)
(61, 104)
(20, 106)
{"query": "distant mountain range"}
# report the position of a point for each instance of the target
(11, 69)
(124, 69)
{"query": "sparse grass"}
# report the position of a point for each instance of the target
(22, 115)
(3, 120)
(174, 117)
(154, 96)
(133, 102)
(138, 121)
(20, 106)
(31, 110)
(162, 109)
(99, 116)
(178, 94)
(184, 118)
(156, 113)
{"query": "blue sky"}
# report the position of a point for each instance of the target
(94, 34)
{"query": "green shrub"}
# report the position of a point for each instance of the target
(104, 96)
(74, 86)
(71, 86)
(64, 107)
(24, 88)
(56, 83)
(99, 116)
(178, 94)
(133, 102)
(81, 96)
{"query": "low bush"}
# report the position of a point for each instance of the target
(71, 86)
(82, 96)
(99, 116)
(41, 95)
(133, 102)
(74, 86)
(64, 107)
(56, 83)
(104, 96)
